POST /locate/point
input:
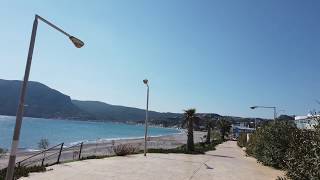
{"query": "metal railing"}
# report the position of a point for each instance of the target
(52, 155)
(59, 153)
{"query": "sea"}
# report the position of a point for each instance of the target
(71, 132)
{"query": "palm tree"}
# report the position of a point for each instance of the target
(210, 124)
(224, 126)
(189, 119)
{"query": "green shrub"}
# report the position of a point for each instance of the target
(303, 156)
(251, 144)
(96, 157)
(270, 143)
(22, 171)
(242, 140)
(281, 178)
(124, 149)
(199, 148)
(282, 145)
(215, 134)
(2, 152)
(43, 144)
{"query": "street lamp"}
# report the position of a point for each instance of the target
(145, 81)
(268, 107)
(15, 140)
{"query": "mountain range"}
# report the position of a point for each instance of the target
(45, 102)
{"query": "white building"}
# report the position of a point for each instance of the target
(306, 122)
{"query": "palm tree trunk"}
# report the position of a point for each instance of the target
(208, 136)
(190, 143)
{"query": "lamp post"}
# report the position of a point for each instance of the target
(267, 107)
(15, 140)
(146, 121)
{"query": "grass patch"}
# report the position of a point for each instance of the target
(97, 157)
(22, 171)
(199, 148)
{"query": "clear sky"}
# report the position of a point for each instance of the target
(215, 56)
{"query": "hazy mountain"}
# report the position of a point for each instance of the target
(41, 101)
(104, 111)
(44, 102)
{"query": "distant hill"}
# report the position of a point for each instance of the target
(44, 102)
(41, 101)
(104, 111)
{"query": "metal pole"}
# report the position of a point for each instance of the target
(60, 151)
(17, 128)
(52, 25)
(80, 151)
(146, 123)
(274, 113)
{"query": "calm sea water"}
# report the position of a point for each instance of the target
(68, 131)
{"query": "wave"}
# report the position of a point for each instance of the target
(109, 140)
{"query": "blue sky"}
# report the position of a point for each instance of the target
(216, 56)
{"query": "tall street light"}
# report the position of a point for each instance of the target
(146, 121)
(15, 142)
(268, 107)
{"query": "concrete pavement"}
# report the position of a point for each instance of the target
(227, 162)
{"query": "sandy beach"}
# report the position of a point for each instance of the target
(103, 147)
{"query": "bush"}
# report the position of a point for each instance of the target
(303, 156)
(43, 143)
(124, 149)
(199, 148)
(215, 134)
(96, 157)
(2, 152)
(281, 145)
(251, 144)
(22, 171)
(269, 143)
(242, 140)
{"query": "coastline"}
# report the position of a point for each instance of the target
(109, 140)
(80, 131)
(105, 147)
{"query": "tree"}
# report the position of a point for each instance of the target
(2, 152)
(43, 144)
(224, 127)
(189, 120)
(210, 124)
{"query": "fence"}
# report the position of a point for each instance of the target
(60, 153)
(53, 155)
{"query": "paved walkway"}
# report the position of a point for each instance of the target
(227, 162)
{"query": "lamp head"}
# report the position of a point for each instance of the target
(145, 81)
(77, 42)
(253, 107)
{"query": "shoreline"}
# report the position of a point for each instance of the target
(32, 147)
(108, 140)
(106, 147)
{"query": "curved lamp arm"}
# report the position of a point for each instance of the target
(77, 42)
